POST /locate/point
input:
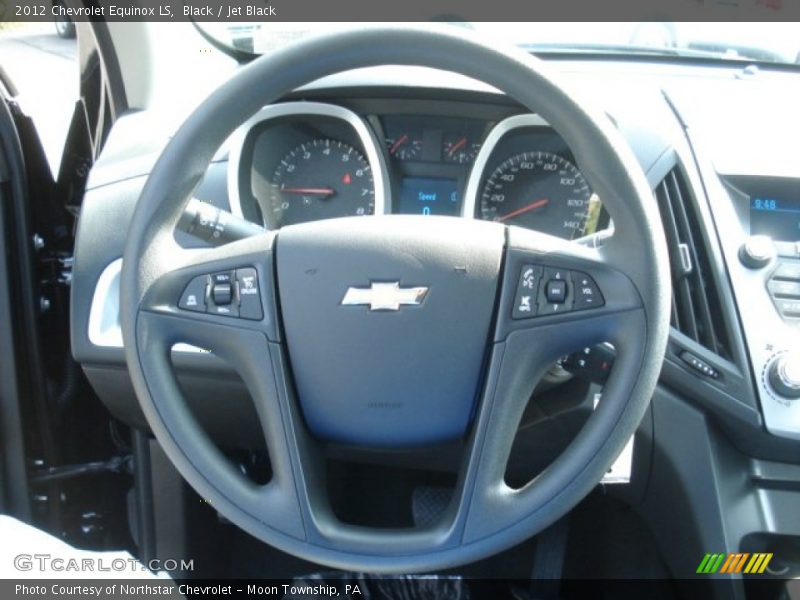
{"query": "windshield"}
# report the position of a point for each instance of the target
(752, 42)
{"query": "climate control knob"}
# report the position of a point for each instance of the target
(784, 375)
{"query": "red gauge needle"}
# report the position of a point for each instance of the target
(309, 191)
(524, 209)
(400, 141)
(456, 146)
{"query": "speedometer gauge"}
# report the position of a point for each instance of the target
(540, 191)
(320, 179)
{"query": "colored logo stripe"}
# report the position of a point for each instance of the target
(734, 563)
(759, 562)
(710, 563)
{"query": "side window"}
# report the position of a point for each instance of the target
(40, 60)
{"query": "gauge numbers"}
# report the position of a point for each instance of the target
(320, 179)
(540, 191)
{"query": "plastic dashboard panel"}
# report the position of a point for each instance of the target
(694, 473)
(652, 132)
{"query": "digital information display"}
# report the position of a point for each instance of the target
(427, 196)
(777, 218)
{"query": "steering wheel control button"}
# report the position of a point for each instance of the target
(556, 292)
(561, 291)
(556, 295)
(194, 296)
(587, 294)
(226, 294)
(249, 294)
(222, 278)
(525, 305)
(222, 294)
(222, 298)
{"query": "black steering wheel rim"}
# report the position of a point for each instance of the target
(639, 327)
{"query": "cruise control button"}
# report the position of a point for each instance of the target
(527, 289)
(194, 296)
(227, 310)
(221, 300)
(222, 278)
(249, 294)
(222, 293)
(587, 294)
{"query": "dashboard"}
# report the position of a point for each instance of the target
(724, 423)
(302, 161)
(719, 445)
(360, 143)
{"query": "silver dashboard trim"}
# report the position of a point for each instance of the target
(105, 329)
(497, 133)
(380, 172)
(766, 334)
(104, 325)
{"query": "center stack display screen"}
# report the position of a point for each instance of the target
(779, 218)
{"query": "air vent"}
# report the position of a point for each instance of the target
(696, 305)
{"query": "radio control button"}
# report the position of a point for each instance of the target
(788, 270)
(757, 251)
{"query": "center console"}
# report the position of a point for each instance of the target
(760, 234)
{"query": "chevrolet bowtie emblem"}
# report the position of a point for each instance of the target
(384, 296)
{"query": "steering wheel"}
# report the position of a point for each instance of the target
(434, 343)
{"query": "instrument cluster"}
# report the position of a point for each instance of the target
(303, 161)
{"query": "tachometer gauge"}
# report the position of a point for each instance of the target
(321, 179)
(540, 191)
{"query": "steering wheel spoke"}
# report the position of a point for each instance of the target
(577, 298)
(518, 364)
(222, 301)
